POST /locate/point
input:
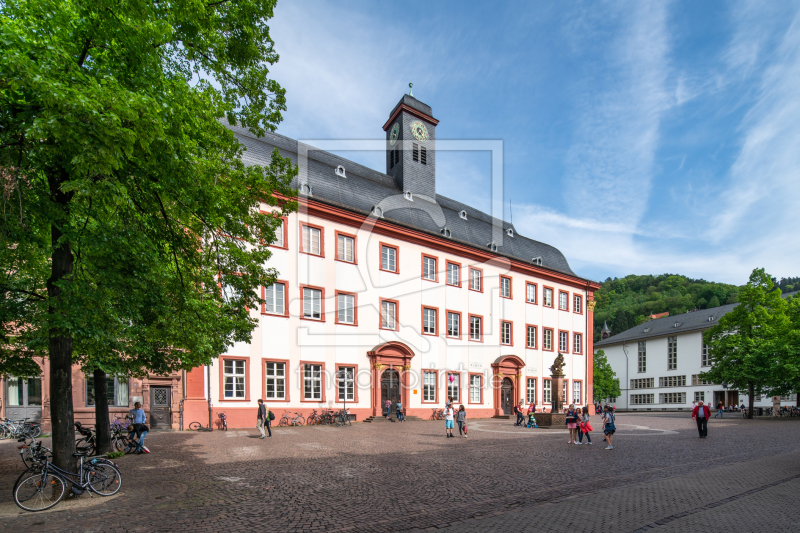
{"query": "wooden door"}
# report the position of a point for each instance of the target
(160, 401)
(390, 389)
(507, 397)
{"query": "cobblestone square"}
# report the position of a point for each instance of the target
(409, 477)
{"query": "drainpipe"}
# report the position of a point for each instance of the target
(627, 382)
(208, 373)
(586, 346)
(183, 379)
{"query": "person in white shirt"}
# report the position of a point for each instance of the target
(449, 417)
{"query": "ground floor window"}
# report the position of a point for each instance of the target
(638, 399)
(576, 392)
(546, 391)
(275, 381)
(312, 382)
(700, 396)
(475, 389)
(531, 389)
(672, 397)
(452, 387)
(233, 373)
(429, 387)
(116, 391)
(347, 384)
(24, 392)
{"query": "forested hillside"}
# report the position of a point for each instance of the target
(626, 302)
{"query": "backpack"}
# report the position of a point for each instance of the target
(271, 415)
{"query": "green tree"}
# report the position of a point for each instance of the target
(124, 192)
(605, 383)
(747, 345)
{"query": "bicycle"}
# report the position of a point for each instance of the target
(342, 418)
(40, 490)
(313, 418)
(224, 418)
(88, 443)
(438, 414)
(197, 426)
(296, 420)
(33, 453)
(19, 428)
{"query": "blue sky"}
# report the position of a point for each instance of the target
(639, 138)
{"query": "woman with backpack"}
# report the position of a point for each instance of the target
(401, 415)
(609, 428)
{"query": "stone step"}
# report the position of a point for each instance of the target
(393, 418)
(504, 417)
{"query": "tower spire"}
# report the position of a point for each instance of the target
(410, 85)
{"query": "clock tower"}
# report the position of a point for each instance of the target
(410, 147)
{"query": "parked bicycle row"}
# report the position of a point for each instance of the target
(14, 429)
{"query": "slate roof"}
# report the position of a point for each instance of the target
(661, 327)
(365, 188)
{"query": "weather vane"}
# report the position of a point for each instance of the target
(410, 85)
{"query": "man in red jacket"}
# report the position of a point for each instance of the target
(701, 413)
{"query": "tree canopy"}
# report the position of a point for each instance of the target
(605, 383)
(130, 222)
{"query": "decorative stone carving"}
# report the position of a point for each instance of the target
(406, 368)
(379, 366)
(591, 305)
(558, 365)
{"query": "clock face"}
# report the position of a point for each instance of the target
(419, 130)
(394, 134)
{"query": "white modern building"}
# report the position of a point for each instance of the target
(659, 363)
(389, 290)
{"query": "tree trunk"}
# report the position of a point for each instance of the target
(60, 340)
(751, 398)
(102, 425)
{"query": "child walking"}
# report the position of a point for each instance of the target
(572, 424)
(584, 427)
(461, 418)
(448, 421)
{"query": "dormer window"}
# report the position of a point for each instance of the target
(492, 246)
(510, 232)
(340, 171)
(711, 319)
(647, 330)
(446, 232)
(415, 152)
(408, 196)
(305, 189)
(537, 261)
(677, 324)
(423, 156)
(377, 211)
(462, 215)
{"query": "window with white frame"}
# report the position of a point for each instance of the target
(563, 301)
(641, 399)
(505, 287)
(643, 383)
(312, 382)
(388, 315)
(548, 297)
(475, 279)
(453, 274)
(346, 308)
(429, 386)
(505, 333)
(279, 232)
(429, 268)
(312, 237)
(699, 396)
(672, 381)
(697, 380)
(389, 258)
(346, 378)
(576, 392)
(312, 304)
(530, 293)
(453, 387)
(672, 397)
(346, 248)
(475, 389)
(642, 356)
(705, 359)
(453, 324)
(563, 341)
(275, 296)
(233, 374)
(116, 391)
(531, 390)
(547, 340)
(275, 380)
(429, 321)
(546, 396)
(530, 336)
(577, 303)
(672, 353)
(564, 396)
(475, 328)
(577, 339)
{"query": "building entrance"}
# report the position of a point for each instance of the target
(160, 402)
(507, 396)
(390, 389)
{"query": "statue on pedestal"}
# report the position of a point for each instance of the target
(558, 366)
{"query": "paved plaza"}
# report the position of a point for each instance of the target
(408, 477)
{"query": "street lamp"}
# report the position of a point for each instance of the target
(344, 374)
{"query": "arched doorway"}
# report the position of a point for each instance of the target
(507, 397)
(390, 388)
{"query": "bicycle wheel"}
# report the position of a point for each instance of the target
(339, 421)
(103, 478)
(311, 420)
(195, 426)
(36, 430)
(299, 421)
(38, 492)
(284, 421)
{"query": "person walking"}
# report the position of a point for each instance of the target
(448, 421)
(532, 415)
(401, 416)
(139, 426)
(461, 418)
(262, 420)
(719, 410)
(387, 405)
(584, 427)
(609, 428)
(701, 413)
(572, 424)
(520, 413)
